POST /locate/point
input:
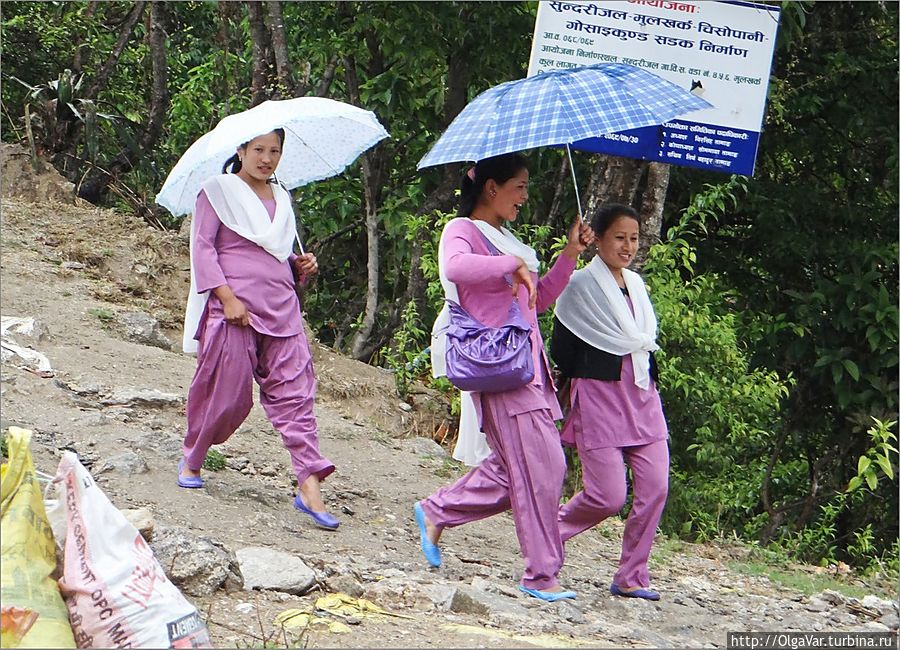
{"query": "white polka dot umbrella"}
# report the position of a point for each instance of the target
(322, 137)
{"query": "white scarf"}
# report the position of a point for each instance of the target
(240, 210)
(471, 445)
(593, 308)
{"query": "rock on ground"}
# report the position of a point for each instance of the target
(266, 568)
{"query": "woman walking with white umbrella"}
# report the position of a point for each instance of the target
(243, 316)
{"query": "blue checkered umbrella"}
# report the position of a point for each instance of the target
(560, 108)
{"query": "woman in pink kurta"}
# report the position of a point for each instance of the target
(526, 467)
(250, 326)
(603, 342)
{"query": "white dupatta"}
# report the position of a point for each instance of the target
(593, 308)
(471, 444)
(241, 210)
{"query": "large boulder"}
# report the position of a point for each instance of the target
(198, 565)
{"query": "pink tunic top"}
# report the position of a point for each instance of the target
(614, 413)
(261, 282)
(481, 280)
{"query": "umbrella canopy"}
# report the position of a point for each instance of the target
(322, 137)
(560, 108)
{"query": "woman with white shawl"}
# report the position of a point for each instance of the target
(244, 322)
(603, 340)
(480, 262)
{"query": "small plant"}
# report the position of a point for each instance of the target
(451, 468)
(405, 363)
(102, 314)
(214, 461)
(879, 455)
(4, 448)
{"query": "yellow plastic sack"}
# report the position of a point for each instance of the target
(341, 604)
(28, 552)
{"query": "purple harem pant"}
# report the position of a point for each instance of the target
(604, 495)
(524, 472)
(221, 393)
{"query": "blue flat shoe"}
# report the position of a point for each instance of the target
(322, 519)
(549, 596)
(429, 549)
(188, 481)
(646, 594)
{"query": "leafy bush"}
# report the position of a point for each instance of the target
(722, 413)
(404, 358)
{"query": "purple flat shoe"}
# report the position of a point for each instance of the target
(646, 594)
(322, 519)
(192, 482)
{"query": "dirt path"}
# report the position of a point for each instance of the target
(78, 269)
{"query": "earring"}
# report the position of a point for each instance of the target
(493, 193)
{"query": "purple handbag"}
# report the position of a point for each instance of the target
(488, 359)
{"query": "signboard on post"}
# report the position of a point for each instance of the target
(721, 51)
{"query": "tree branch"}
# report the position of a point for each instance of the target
(327, 77)
(124, 36)
(318, 244)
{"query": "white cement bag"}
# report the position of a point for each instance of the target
(117, 593)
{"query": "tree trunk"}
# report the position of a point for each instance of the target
(159, 99)
(259, 35)
(652, 202)
(124, 36)
(327, 77)
(228, 14)
(372, 168)
(89, 11)
(363, 334)
(562, 176)
(613, 180)
(285, 87)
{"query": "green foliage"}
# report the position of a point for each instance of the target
(102, 314)
(808, 255)
(722, 413)
(214, 461)
(404, 358)
(4, 448)
(882, 455)
(787, 576)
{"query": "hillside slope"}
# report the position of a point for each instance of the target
(79, 270)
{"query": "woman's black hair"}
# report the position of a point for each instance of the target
(235, 162)
(607, 215)
(500, 168)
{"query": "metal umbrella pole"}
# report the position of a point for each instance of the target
(574, 181)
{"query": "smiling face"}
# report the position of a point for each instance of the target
(507, 199)
(618, 244)
(260, 157)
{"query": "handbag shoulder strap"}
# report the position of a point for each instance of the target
(495, 252)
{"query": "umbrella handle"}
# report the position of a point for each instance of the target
(574, 181)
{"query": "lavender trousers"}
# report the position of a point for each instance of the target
(524, 472)
(221, 393)
(604, 495)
